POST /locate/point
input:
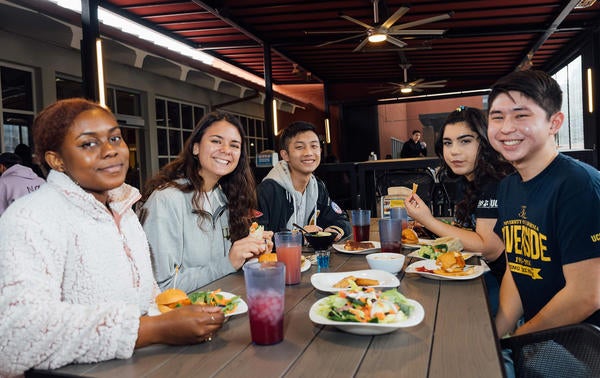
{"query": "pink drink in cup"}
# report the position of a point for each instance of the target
(291, 257)
(266, 317)
(265, 288)
(288, 245)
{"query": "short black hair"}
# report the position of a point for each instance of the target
(292, 130)
(416, 131)
(536, 85)
(8, 159)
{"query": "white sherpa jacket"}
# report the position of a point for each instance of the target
(74, 279)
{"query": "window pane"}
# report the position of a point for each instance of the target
(174, 142)
(110, 100)
(163, 148)
(187, 118)
(160, 112)
(128, 103)
(16, 130)
(67, 88)
(162, 162)
(173, 114)
(186, 135)
(198, 114)
(17, 90)
(570, 135)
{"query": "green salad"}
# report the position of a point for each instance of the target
(366, 305)
(215, 298)
(432, 251)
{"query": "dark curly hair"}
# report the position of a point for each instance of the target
(490, 165)
(51, 125)
(238, 186)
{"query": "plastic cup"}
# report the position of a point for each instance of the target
(322, 260)
(265, 286)
(390, 235)
(288, 245)
(361, 224)
(400, 213)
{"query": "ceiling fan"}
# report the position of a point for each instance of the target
(386, 31)
(407, 87)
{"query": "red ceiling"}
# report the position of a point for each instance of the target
(484, 39)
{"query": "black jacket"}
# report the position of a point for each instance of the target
(411, 149)
(277, 208)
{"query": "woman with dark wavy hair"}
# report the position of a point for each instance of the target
(198, 209)
(465, 152)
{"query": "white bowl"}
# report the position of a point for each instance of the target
(387, 261)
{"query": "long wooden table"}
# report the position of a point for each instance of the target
(456, 339)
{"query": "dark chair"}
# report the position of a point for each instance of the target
(571, 351)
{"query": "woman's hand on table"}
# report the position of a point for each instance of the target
(417, 209)
(181, 326)
(249, 247)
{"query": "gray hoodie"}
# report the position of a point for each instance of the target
(281, 175)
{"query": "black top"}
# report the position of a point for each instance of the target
(411, 149)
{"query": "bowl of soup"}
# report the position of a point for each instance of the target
(387, 261)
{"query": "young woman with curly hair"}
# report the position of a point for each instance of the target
(465, 152)
(198, 209)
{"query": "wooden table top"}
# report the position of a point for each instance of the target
(456, 339)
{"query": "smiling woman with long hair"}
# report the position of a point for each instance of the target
(465, 153)
(199, 207)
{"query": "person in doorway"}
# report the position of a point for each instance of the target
(547, 211)
(198, 209)
(75, 271)
(16, 180)
(291, 193)
(414, 147)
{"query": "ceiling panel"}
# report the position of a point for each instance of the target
(484, 40)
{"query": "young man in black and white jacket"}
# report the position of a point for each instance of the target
(290, 193)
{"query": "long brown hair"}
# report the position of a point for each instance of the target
(239, 186)
(490, 165)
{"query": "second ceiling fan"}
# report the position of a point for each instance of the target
(407, 87)
(386, 31)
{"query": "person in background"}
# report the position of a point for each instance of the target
(198, 209)
(16, 180)
(75, 271)
(414, 147)
(27, 158)
(291, 193)
(547, 211)
(465, 153)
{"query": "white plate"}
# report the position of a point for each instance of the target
(417, 246)
(466, 255)
(430, 264)
(340, 248)
(325, 281)
(303, 268)
(305, 265)
(417, 315)
(241, 308)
